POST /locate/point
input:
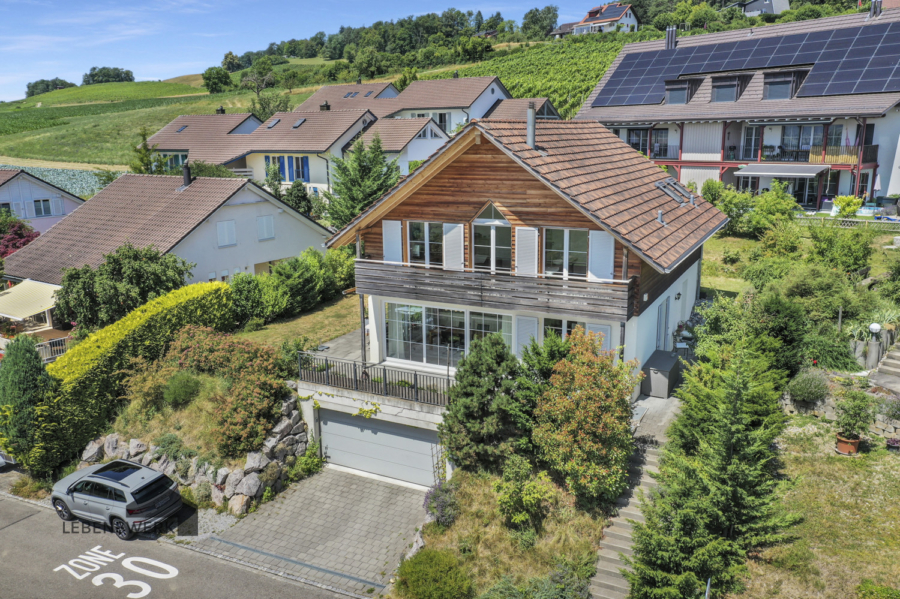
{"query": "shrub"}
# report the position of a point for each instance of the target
(306, 280)
(181, 389)
(826, 348)
(848, 205)
(440, 502)
(274, 296)
(763, 271)
(254, 324)
(870, 590)
(847, 250)
(246, 414)
(288, 358)
(246, 297)
(583, 429)
(308, 464)
(90, 375)
(809, 386)
(712, 191)
(769, 208)
(203, 493)
(433, 574)
(889, 288)
(171, 446)
(890, 407)
(855, 414)
(341, 262)
(784, 239)
(736, 205)
(268, 495)
(24, 385)
(187, 496)
(523, 498)
(730, 256)
(206, 351)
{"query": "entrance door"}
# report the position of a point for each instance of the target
(662, 326)
(380, 447)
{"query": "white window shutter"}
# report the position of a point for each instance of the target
(392, 239)
(454, 247)
(57, 206)
(526, 251)
(18, 209)
(261, 228)
(232, 233)
(526, 329)
(601, 252)
(606, 330)
(222, 232)
(29, 209)
(270, 229)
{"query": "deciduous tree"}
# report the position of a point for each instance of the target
(265, 106)
(231, 62)
(260, 76)
(216, 80)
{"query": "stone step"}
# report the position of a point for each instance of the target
(609, 560)
(632, 513)
(644, 459)
(617, 534)
(620, 523)
(888, 370)
(609, 568)
(615, 582)
(891, 361)
(601, 593)
(617, 546)
(895, 354)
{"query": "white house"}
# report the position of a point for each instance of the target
(224, 226)
(35, 201)
(614, 16)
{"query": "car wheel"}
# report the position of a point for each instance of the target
(120, 527)
(62, 510)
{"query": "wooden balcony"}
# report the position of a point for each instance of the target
(848, 155)
(591, 300)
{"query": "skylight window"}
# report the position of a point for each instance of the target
(354, 94)
(273, 123)
(182, 129)
(368, 93)
(298, 123)
(348, 94)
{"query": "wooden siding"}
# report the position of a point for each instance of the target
(655, 284)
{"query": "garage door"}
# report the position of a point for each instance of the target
(379, 447)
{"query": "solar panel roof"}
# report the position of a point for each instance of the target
(853, 60)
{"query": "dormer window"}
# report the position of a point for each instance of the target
(680, 91)
(782, 86)
(728, 89)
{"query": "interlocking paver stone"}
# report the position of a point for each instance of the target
(336, 528)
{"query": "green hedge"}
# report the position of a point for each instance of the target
(89, 376)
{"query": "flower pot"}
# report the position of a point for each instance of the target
(847, 446)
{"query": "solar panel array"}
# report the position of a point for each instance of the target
(855, 60)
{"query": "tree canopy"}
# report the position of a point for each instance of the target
(106, 75)
(363, 176)
(42, 86)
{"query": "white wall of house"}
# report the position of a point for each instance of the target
(640, 331)
(477, 110)
(887, 136)
(702, 141)
(292, 235)
(318, 172)
(39, 204)
(698, 175)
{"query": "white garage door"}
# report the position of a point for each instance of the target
(379, 447)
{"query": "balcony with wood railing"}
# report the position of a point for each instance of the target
(606, 300)
(834, 155)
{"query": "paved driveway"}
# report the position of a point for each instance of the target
(335, 528)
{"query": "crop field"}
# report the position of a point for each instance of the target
(565, 72)
(107, 92)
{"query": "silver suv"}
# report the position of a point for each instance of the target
(124, 495)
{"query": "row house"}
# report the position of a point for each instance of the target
(514, 227)
(814, 104)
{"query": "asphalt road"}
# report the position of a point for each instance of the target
(41, 558)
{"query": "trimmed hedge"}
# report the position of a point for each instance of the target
(90, 375)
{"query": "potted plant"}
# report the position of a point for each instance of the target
(893, 445)
(855, 413)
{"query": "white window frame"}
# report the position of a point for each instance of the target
(565, 274)
(40, 202)
(493, 223)
(565, 325)
(427, 242)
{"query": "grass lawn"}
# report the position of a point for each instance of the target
(328, 321)
(313, 60)
(108, 92)
(851, 515)
(192, 80)
(486, 549)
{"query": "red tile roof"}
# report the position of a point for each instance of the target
(516, 108)
(444, 93)
(7, 175)
(145, 210)
(396, 133)
(334, 95)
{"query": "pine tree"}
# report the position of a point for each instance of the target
(479, 428)
(359, 179)
(297, 197)
(23, 385)
(146, 161)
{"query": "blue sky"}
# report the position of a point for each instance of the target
(42, 39)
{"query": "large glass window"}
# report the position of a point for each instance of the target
(445, 336)
(426, 243)
(560, 327)
(403, 330)
(565, 252)
(831, 186)
(659, 139)
(750, 147)
(482, 324)
(639, 139)
(835, 132)
(725, 91)
(491, 241)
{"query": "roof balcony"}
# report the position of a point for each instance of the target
(817, 154)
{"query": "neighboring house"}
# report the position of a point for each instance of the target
(754, 8)
(406, 140)
(224, 226)
(35, 201)
(614, 16)
(517, 108)
(498, 234)
(450, 102)
(814, 104)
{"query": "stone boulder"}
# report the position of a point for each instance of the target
(233, 480)
(249, 486)
(292, 385)
(283, 427)
(256, 461)
(238, 504)
(136, 447)
(295, 418)
(82, 465)
(217, 496)
(269, 446)
(417, 545)
(111, 445)
(94, 451)
(222, 475)
(298, 428)
(300, 449)
(162, 464)
(288, 407)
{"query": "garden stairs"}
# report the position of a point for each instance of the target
(888, 373)
(609, 583)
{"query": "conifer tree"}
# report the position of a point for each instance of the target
(479, 429)
(536, 368)
(23, 385)
(359, 179)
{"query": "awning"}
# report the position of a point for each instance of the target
(26, 299)
(782, 170)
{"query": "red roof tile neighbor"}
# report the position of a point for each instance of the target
(335, 95)
(145, 210)
(444, 93)
(516, 108)
(396, 134)
(7, 175)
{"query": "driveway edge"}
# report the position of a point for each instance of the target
(272, 571)
(23, 500)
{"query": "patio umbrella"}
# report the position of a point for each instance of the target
(877, 186)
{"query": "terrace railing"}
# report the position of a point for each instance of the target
(51, 350)
(843, 154)
(850, 223)
(374, 378)
(664, 151)
(243, 172)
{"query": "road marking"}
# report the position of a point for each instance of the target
(17, 521)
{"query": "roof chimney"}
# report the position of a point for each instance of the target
(220, 110)
(659, 217)
(186, 172)
(456, 74)
(872, 9)
(671, 34)
(359, 81)
(529, 130)
(325, 106)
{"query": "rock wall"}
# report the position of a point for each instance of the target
(881, 426)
